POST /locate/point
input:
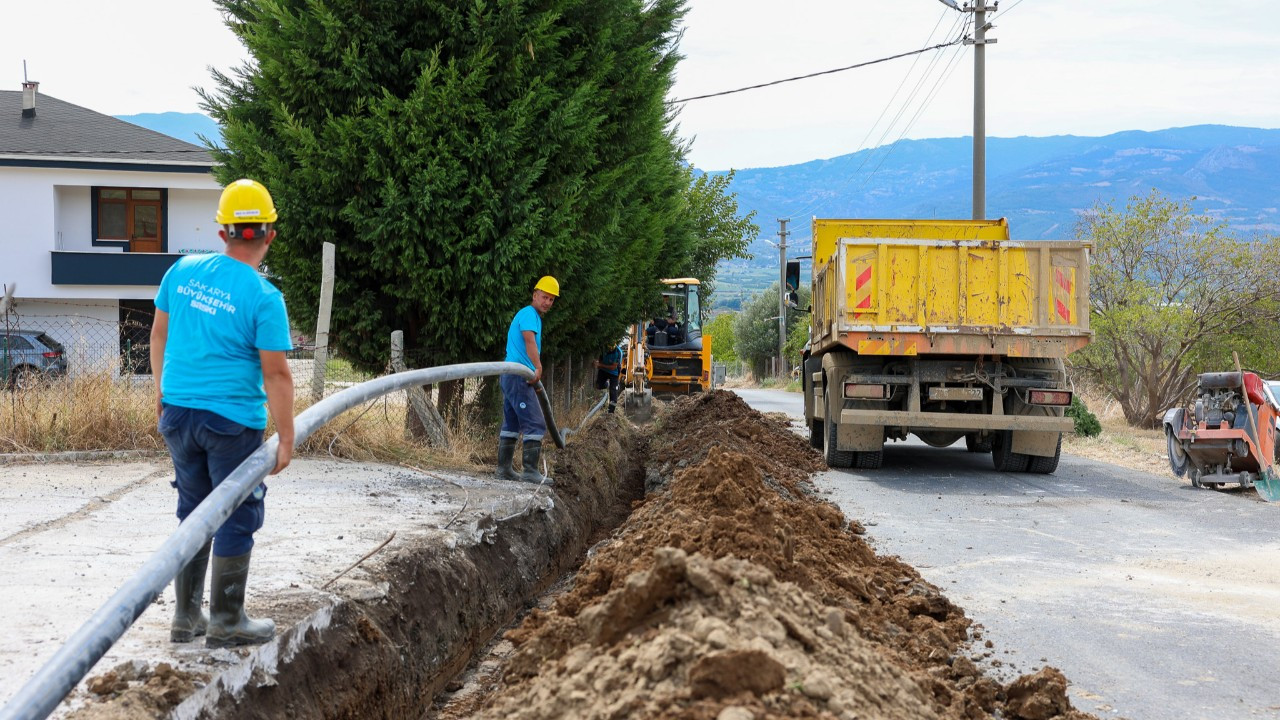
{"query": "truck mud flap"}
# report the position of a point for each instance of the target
(1042, 444)
(862, 438)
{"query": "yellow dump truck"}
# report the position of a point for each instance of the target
(944, 329)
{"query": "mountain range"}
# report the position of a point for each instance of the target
(1041, 184)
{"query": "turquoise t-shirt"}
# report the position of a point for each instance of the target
(526, 319)
(221, 313)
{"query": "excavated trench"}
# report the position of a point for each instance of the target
(684, 570)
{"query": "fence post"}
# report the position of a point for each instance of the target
(568, 383)
(431, 421)
(322, 323)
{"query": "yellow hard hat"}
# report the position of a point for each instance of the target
(245, 201)
(548, 285)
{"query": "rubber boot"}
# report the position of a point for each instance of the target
(189, 620)
(228, 625)
(506, 454)
(532, 462)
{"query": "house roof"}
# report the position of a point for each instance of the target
(63, 133)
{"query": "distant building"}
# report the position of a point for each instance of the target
(96, 210)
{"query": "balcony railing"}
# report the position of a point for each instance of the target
(110, 268)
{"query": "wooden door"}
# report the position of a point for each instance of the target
(144, 222)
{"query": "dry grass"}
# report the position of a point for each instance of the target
(1120, 444)
(100, 412)
(376, 432)
(93, 411)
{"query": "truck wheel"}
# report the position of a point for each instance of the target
(815, 434)
(869, 459)
(835, 458)
(1005, 459)
(974, 445)
(1045, 465)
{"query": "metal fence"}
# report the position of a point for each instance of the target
(101, 350)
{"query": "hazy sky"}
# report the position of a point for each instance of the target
(1060, 66)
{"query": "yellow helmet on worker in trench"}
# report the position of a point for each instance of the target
(548, 285)
(245, 201)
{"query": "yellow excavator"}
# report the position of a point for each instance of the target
(666, 359)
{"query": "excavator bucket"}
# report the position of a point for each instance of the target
(638, 404)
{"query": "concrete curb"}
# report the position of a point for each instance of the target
(77, 456)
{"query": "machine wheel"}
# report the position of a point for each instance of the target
(1177, 453)
(1194, 474)
(815, 434)
(1004, 459)
(868, 459)
(973, 445)
(1045, 465)
(835, 458)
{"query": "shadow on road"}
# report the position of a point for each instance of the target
(917, 468)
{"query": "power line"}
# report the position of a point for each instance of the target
(1002, 12)
(816, 74)
(907, 102)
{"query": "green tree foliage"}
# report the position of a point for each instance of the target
(756, 329)
(722, 338)
(1086, 423)
(1172, 293)
(720, 234)
(454, 153)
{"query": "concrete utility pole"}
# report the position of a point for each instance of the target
(782, 294)
(320, 365)
(979, 42)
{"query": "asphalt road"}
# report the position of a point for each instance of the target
(1158, 601)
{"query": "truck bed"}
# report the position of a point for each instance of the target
(901, 287)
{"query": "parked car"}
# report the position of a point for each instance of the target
(28, 357)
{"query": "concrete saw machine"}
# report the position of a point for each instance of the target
(1228, 435)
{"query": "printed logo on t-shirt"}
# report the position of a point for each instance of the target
(205, 298)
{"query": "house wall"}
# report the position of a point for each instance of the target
(49, 209)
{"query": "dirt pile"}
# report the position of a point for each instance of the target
(731, 592)
(135, 689)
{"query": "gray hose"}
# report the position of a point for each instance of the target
(58, 677)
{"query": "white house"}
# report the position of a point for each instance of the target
(96, 210)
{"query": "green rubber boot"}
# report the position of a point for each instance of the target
(228, 625)
(189, 620)
(532, 462)
(507, 454)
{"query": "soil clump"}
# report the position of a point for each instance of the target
(731, 592)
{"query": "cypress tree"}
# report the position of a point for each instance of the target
(454, 153)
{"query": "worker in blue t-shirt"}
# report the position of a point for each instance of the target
(607, 366)
(521, 413)
(217, 354)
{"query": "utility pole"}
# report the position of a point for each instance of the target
(979, 8)
(782, 293)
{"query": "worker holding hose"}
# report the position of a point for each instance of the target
(521, 413)
(217, 354)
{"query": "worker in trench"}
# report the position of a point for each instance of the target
(218, 348)
(607, 367)
(521, 413)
